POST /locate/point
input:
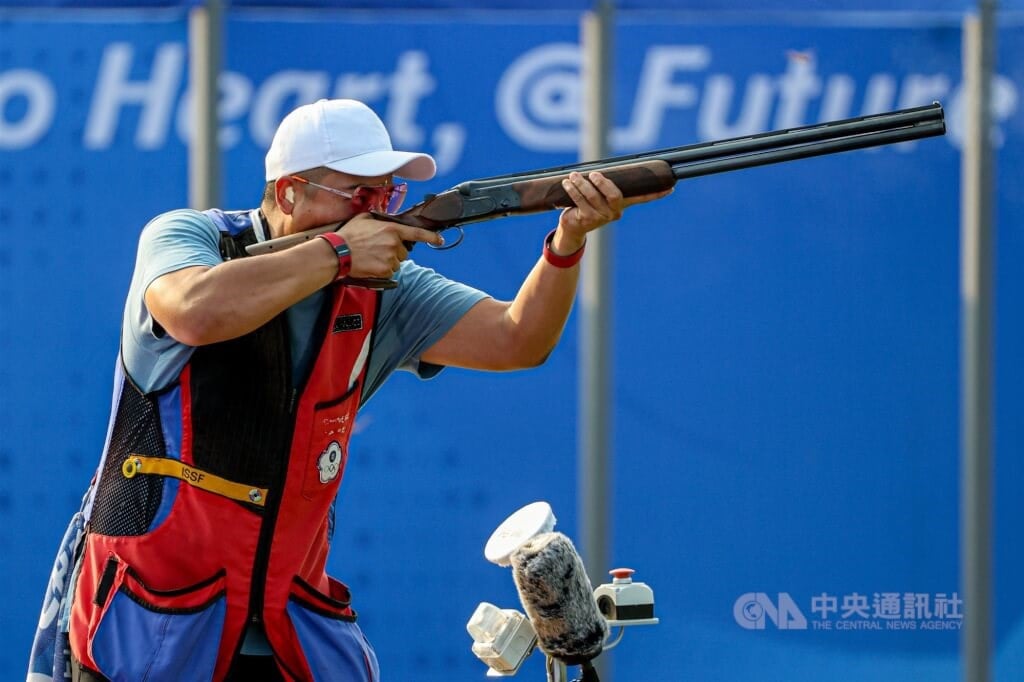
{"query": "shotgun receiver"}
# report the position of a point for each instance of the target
(636, 174)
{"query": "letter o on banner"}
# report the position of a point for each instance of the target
(34, 117)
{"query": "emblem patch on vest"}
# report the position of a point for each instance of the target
(347, 323)
(329, 462)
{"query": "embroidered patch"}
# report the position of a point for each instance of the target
(347, 323)
(329, 462)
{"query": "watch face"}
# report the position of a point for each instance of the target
(341, 251)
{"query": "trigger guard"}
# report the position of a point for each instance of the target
(446, 245)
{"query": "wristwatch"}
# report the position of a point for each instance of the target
(342, 251)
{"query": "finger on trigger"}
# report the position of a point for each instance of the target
(418, 234)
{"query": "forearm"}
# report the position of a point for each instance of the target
(200, 306)
(543, 303)
(540, 309)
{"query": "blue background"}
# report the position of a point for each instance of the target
(786, 338)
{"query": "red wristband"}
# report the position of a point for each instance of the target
(341, 250)
(561, 261)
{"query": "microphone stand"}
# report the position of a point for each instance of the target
(558, 671)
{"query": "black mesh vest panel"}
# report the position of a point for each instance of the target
(241, 393)
(126, 506)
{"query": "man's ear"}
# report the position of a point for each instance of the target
(285, 192)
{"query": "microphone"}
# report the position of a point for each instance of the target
(556, 593)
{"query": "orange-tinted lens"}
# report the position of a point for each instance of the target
(386, 198)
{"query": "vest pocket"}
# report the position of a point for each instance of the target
(147, 634)
(334, 646)
(328, 449)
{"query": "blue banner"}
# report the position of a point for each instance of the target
(785, 346)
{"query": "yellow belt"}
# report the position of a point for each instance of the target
(165, 466)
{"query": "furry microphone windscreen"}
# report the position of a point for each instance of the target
(556, 593)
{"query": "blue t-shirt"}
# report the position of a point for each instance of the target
(413, 316)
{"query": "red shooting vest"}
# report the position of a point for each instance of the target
(213, 509)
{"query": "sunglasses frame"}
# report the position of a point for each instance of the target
(393, 194)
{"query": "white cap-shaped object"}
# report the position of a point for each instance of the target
(343, 135)
(528, 522)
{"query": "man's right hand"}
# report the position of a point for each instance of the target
(378, 246)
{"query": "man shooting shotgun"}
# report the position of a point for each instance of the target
(200, 551)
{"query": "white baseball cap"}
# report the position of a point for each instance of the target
(343, 135)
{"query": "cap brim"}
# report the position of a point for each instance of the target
(410, 165)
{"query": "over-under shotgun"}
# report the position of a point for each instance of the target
(635, 174)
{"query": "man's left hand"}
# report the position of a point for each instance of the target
(598, 201)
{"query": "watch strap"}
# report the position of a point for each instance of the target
(341, 250)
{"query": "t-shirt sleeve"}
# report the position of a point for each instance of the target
(170, 242)
(413, 317)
